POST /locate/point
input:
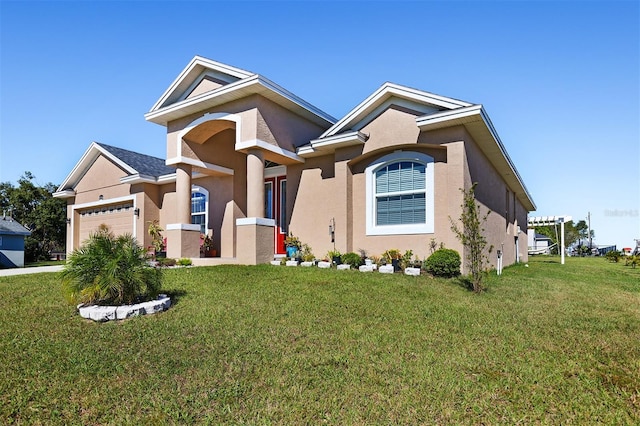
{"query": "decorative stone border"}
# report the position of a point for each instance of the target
(110, 313)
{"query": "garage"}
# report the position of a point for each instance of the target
(118, 217)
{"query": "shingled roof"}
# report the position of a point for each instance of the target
(141, 163)
(8, 226)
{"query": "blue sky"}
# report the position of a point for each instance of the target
(560, 80)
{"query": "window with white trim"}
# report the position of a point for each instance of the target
(400, 194)
(200, 207)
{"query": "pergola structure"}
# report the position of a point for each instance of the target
(533, 222)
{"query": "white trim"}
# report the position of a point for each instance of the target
(201, 164)
(276, 171)
(202, 190)
(102, 203)
(257, 143)
(385, 91)
(261, 221)
(183, 227)
(67, 193)
(194, 66)
(426, 228)
(254, 84)
(476, 114)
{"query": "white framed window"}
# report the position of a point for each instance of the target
(200, 207)
(399, 191)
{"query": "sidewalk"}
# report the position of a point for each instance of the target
(34, 270)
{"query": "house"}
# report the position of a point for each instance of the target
(249, 162)
(12, 243)
(538, 243)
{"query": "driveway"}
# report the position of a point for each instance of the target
(34, 270)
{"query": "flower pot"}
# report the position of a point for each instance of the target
(396, 265)
(210, 253)
(337, 260)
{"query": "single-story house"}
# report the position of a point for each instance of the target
(538, 243)
(12, 243)
(249, 162)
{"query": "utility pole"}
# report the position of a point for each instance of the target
(589, 223)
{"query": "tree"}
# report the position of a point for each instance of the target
(34, 207)
(472, 238)
(109, 269)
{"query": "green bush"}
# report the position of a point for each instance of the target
(613, 256)
(352, 259)
(109, 270)
(443, 263)
(185, 262)
(166, 261)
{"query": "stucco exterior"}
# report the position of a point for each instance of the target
(230, 131)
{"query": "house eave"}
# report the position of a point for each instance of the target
(255, 84)
(322, 146)
(475, 119)
(66, 193)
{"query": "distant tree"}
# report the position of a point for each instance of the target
(34, 207)
(573, 233)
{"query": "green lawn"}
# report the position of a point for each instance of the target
(549, 343)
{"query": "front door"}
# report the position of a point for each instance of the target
(275, 207)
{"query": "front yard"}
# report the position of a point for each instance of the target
(273, 345)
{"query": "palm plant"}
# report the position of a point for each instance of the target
(109, 270)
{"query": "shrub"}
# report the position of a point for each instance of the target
(167, 261)
(109, 270)
(613, 256)
(185, 262)
(352, 259)
(443, 263)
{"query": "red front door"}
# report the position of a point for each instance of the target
(275, 207)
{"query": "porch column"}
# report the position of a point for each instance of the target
(255, 233)
(183, 193)
(255, 183)
(183, 238)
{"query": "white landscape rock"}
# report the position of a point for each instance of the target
(366, 268)
(292, 263)
(275, 262)
(108, 313)
(324, 265)
(386, 269)
(306, 264)
(343, 267)
(412, 271)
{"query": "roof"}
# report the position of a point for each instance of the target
(236, 83)
(435, 112)
(141, 163)
(135, 166)
(10, 226)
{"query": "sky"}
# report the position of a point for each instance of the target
(560, 80)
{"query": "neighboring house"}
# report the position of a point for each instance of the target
(12, 243)
(538, 243)
(248, 162)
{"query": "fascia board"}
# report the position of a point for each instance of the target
(138, 178)
(385, 91)
(67, 193)
(336, 141)
(254, 84)
(87, 159)
(193, 69)
(474, 114)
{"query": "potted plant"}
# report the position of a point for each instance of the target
(157, 240)
(335, 256)
(393, 256)
(207, 246)
(293, 245)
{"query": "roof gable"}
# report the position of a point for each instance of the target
(135, 167)
(205, 84)
(199, 70)
(423, 103)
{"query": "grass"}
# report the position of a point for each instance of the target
(549, 343)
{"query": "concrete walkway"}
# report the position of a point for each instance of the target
(34, 270)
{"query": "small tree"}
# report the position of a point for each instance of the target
(109, 269)
(472, 238)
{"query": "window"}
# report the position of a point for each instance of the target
(200, 207)
(400, 194)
